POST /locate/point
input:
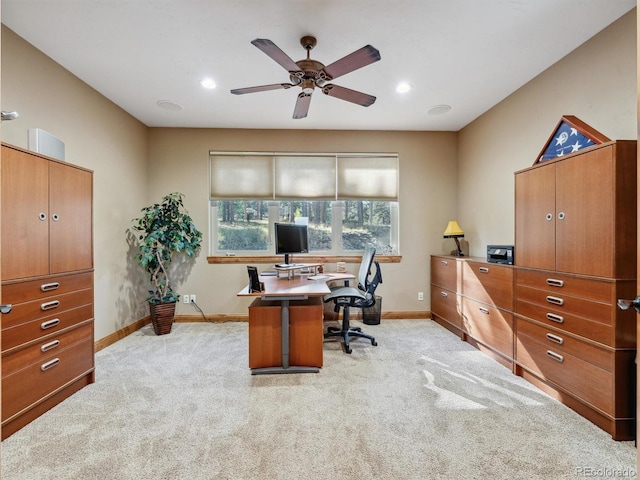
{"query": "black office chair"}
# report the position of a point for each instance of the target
(350, 297)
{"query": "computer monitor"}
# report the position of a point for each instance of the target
(291, 239)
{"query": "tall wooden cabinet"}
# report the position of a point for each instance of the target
(47, 276)
(575, 250)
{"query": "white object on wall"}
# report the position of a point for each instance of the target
(46, 143)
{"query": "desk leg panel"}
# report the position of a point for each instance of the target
(305, 335)
(265, 344)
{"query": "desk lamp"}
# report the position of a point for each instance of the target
(454, 231)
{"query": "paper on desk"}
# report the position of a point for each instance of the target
(318, 277)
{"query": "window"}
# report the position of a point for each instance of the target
(348, 201)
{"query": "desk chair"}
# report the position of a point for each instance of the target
(350, 297)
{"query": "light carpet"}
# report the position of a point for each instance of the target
(420, 405)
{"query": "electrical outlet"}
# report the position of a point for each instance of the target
(420, 295)
(192, 298)
(185, 299)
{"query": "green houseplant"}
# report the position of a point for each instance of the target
(163, 231)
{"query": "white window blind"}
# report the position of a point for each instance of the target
(368, 177)
(241, 176)
(305, 177)
(285, 176)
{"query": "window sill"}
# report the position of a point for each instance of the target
(272, 259)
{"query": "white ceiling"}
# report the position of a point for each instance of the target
(469, 54)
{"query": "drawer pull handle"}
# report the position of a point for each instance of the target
(554, 282)
(444, 294)
(484, 310)
(555, 300)
(555, 338)
(555, 318)
(50, 364)
(444, 262)
(556, 356)
(42, 216)
(50, 305)
(483, 270)
(47, 287)
(49, 346)
(548, 217)
(50, 323)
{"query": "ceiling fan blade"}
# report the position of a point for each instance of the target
(358, 59)
(302, 105)
(271, 49)
(349, 95)
(262, 88)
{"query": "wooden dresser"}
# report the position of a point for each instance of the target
(47, 275)
(575, 253)
(474, 299)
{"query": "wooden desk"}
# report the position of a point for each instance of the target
(304, 344)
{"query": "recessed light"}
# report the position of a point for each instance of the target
(169, 105)
(439, 109)
(208, 83)
(403, 87)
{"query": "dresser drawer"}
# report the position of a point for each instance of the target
(446, 305)
(561, 304)
(565, 344)
(588, 382)
(444, 272)
(488, 283)
(36, 289)
(596, 331)
(46, 307)
(488, 325)
(560, 284)
(45, 348)
(29, 385)
(26, 332)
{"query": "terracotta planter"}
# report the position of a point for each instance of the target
(162, 317)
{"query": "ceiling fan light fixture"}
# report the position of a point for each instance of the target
(439, 109)
(309, 74)
(308, 85)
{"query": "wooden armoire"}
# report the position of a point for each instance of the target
(575, 250)
(47, 277)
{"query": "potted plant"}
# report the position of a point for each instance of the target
(164, 230)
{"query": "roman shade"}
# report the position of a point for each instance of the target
(286, 176)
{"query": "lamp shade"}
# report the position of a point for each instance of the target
(453, 230)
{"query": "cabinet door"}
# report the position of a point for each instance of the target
(25, 215)
(584, 212)
(71, 192)
(535, 218)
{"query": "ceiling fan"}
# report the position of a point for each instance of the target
(309, 74)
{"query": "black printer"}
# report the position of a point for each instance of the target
(500, 254)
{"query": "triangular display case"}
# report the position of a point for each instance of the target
(570, 135)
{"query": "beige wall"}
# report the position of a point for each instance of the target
(97, 135)
(178, 160)
(596, 83)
